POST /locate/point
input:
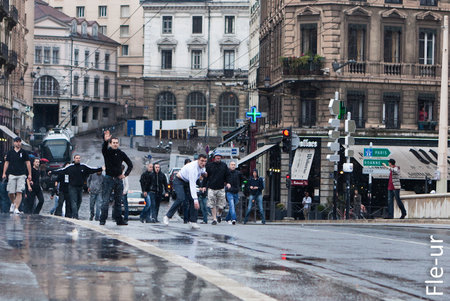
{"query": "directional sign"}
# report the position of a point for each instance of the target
(374, 162)
(376, 152)
(375, 170)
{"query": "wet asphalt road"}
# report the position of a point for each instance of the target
(285, 261)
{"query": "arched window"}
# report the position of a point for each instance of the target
(46, 86)
(196, 108)
(95, 30)
(166, 106)
(228, 110)
(74, 26)
(84, 28)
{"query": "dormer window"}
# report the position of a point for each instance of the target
(84, 28)
(95, 30)
(74, 27)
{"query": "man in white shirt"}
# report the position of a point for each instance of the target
(184, 185)
(306, 205)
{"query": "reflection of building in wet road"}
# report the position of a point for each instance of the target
(93, 267)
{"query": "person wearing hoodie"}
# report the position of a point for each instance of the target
(217, 176)
(77, 172)
(94, 184)
(146, 183)
(256, 186)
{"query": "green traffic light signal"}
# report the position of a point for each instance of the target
(342, 110)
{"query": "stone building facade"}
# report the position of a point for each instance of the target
(14, 105)
(196, 62)
(387, 56)
(74, 73)
(121, 21)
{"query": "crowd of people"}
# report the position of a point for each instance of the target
(199, 185)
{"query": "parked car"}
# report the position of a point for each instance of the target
(136, 202)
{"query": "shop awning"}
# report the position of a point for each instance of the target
(11, 134)
(415, 162)
(230, 136)
(256, 153)
(302, 163)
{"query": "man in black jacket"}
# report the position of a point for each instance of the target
(232, 193)
(145, 181)
(114, 157)
(217, 175)
(78, 173)
(157, 188)
(34, 190)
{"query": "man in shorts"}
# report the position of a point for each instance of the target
(218, 175)
(18, 168)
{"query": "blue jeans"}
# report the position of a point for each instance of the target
(183, 194)
(76, 196)
(391, 194)
(202, 201)
(95, 204)
(109, 186)
(258, 199)
(233, 200)
(149, 205)
(55, 198)
(5, 202)
(125, 206)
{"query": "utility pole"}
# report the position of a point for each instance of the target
(350, 128)
(441, 185)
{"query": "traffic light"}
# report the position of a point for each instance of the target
(287, 140)
(288, 180)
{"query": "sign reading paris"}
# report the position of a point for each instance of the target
(253, 114)
(376, 152)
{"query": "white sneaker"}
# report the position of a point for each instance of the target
(229, 222)
(11, 209)
(195, 226)
(166, 220)
(16, 211)
(233, 222)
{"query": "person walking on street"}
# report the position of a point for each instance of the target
(256, 185)
(185, 181)
(34, 190)
(235, 181)
(18, 168)
(218, 175)
(145, 181)
(62, 188)
(5, 202)
(306, 205)
(126, 186)
(203, 198)
(158, 187)
(394, 189)
(114, 157)
(77, 172)
(94, 184)
(356, 204)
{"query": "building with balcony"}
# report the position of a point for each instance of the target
(196, 62)
(14, 103)
(121, 21)
(74, 73)
(387, 63)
